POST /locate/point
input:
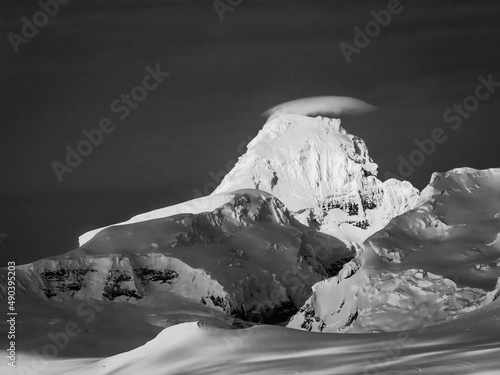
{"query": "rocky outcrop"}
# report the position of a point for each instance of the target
(429, 265)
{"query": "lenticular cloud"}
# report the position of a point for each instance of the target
(329, 106)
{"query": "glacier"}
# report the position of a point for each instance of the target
(301, 261)
(320, 172)
(432, 264)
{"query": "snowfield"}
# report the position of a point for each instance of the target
(430, 264)
(301, 262)
(468, 345)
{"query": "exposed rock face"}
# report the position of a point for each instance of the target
(248, 258)
(240, 250)
(117, 278)
(437, 261)
(321, 173)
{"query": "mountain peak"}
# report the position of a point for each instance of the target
(322, 173)
(301, 160)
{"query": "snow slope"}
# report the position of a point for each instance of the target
(321, 173)
(248, 258)
(193, 206)
(468, 345)
(431, 264)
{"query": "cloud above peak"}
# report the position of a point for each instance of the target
(327, 106)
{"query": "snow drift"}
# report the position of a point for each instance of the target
(431, 264)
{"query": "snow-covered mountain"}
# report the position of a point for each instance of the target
(433, 263)
(194, 206)
(248, 258)
(302, 210)
(321, 173)
(240, 251)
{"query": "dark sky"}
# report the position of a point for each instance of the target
(223, 75)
